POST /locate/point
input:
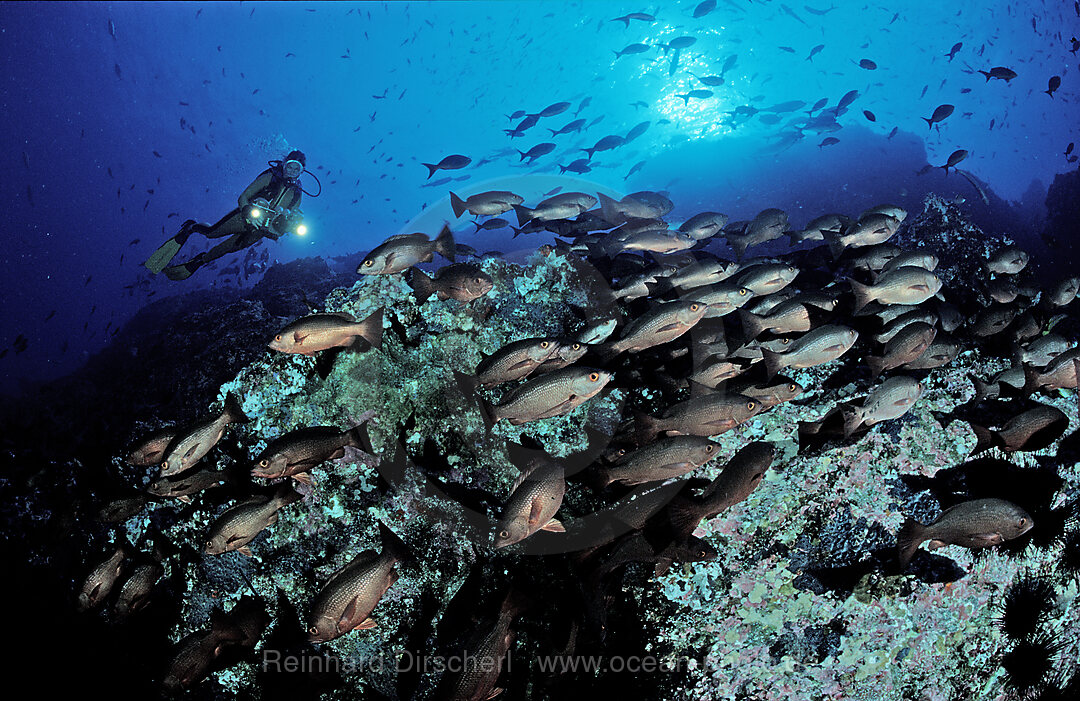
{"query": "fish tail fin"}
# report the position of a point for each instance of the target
(589, 151)
(1032, 381)
(517, 232)
(929, 122)
(982, 389)
(431, 169)
(286, 495)
(457, 204)
(863, 294)
(444, 244)
(393, 545)
(524, 214)
(357, 437)
(877, 365)
(522, 155)
(684, 516)
(486, 413)
(984, 438)
(468, 384)
(607, 207)
(371, 328)
(774, 362)
(553, 132)
(836, 246)
(739, 246)
(645, 427)
(422, 285)
(987, 74)
(1050, 93)
(753, 324)
(852, 420)
(908, 539)
(234, 413)
(515, 601)
(562, 169)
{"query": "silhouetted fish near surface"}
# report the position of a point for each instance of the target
(941, 112)
(1000, 73)
(1053, 85)
(453, 162)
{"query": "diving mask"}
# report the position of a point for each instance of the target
(292, 169)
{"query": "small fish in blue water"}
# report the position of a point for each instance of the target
(815, 51)
(452, 162)
(1053, 85)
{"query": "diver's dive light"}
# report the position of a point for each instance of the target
(301, 230)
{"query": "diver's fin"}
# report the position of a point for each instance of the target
(163, 256)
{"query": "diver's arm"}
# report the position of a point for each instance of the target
(254, 188)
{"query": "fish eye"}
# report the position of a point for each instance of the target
(1023, 521)
(264, 463)
(791, 387)
(314, 630)
(694, 307)
(544, 344)
(750, 405)
(709, 448)
(594, 376)
(368, 263)
(785, 341)
(743, 291)
(576, 346)
(479, 280)
(791, 268)
(278, 337)
(165, 465)
(504, 534)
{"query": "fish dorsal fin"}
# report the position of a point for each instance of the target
(525, 472)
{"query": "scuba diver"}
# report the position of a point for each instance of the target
(269, 207)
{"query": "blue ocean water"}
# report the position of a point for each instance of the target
(121, 120)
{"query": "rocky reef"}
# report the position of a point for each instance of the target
(804, 598)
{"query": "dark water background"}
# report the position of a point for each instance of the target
(116, 115)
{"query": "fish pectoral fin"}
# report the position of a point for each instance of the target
(190, 451)
(272, 519)
(987, 539)
(245, 551)
(494, 692)
(920, 288)
(366, 624)
(935, 544)
(345, 623)
(185, 499)
(554, 526)
(303, 478)
(299, 338)
(534, 513)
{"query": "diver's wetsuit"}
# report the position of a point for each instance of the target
(270, 186)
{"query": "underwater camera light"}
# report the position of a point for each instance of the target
(301, 230)
(254, 212)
